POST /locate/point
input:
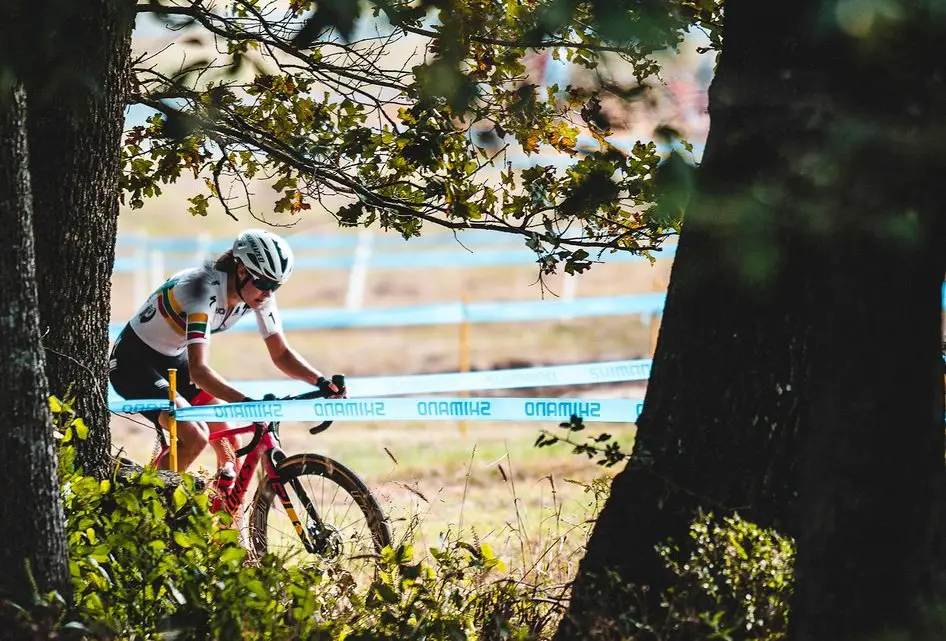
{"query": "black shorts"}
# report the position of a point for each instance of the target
(138, 372)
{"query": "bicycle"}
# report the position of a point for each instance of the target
(297, 523)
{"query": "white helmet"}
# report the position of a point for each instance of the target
(264, 254)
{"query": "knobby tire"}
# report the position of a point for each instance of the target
(299, 474)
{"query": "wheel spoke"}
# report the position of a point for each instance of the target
(342, 523)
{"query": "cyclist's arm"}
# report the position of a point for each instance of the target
(289, 361)
(204, 376)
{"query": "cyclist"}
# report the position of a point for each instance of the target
(173, 327)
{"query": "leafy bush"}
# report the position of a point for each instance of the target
(149, 561)
(731, 580)
(143, 563)
(149, 564)
(736, 582)
(142, 568)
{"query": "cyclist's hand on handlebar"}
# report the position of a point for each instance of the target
(334, 388)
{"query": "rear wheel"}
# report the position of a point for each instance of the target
(340, 521)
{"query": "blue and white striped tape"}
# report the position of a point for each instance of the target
(137, 405)
(499, 379)
(404, 409)
(360, 387)
(423, 409)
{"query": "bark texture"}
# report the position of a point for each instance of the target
(76, 104)
(31, 518)
(797, 378)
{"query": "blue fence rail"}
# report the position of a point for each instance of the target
(179, 254)
(457, 312)
(325, 242)
(395, 260)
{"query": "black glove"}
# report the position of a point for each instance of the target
(334, 387)
(339, 382)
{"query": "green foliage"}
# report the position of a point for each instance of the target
(730, 580)
(405, 139)
(735, 581)
(65, 421)
(45, 617)
(149, 562)
(145, 560)
(598, 446)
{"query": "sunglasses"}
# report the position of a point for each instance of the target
(265, 285)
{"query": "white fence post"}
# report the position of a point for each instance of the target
(139, 282)
(203, 248)
(569, 288)
(358, 275)
(156, 268)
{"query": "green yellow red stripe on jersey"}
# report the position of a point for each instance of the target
(170, 310)
(196, 326)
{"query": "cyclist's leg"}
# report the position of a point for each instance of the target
(138, 372)
(152, 376)
(225, 448)
(192, 438)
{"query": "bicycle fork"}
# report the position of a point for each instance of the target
(317, 537)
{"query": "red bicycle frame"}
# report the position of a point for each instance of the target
(266, 444)
(240, 486)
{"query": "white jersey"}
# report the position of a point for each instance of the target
(191, 306)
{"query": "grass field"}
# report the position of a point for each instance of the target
(482, 479)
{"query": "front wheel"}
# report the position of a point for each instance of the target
(336, 517)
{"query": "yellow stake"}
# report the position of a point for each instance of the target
(172, 421)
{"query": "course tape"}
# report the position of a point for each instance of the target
(137, 405)
(360, 387)
(406, 409)
(364, 386)
(424, 409)
(457, 312)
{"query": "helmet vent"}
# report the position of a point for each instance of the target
(283, 261)
(269, 257)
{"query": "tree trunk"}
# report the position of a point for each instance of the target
(32, 528)
(872, 465)
(797, 378)
(75, 126)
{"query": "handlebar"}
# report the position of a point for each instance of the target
(249, 447)
(338, 380)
